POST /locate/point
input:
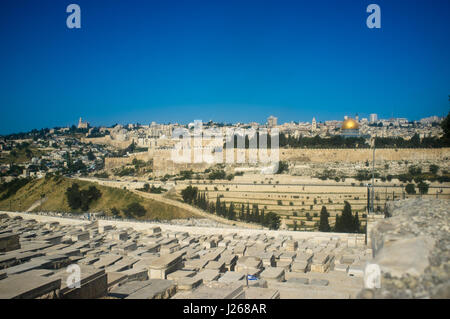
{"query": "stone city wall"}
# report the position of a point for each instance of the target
(361, 155)
(115, 162)
(107, 140)
(163, 163)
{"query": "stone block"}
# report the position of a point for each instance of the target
(188, 283)
(136, 274)
(208, 275)
(156, 289)
(8, 242)
(273, 273)
(261, 293)
(231, 277)
(115, 278)
(217, 290)
(164, 265)
(300, 266)
(24, 286)
(93, 284)
(128, 288)
(298, 281)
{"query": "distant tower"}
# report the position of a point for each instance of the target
(82, 124)
(314, 124)
(272, 121)
(357, 117)
(373, 118)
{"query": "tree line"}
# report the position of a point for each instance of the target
(191, 195)
(346, 222)
(81, 198)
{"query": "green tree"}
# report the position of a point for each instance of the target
(423, 187)
(324, 224)
(356, 224)
(282, 167)
(135, 209)
(410, 189)
(434, 169)
(272, 220)
(347, 222)
(337, 224)
(115, 212)
(73, 196)
(88, 196)
(189, 194)
(91, 156)
(231, 213)
(445, 124)
(28, 153)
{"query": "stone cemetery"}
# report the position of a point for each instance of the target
(125, 263)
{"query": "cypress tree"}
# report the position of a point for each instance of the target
(347, 220)
(357, 225)
(324, 224)
(337, 225)
(218, 206)
(231, 214)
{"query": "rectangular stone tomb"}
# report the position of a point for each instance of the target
(231, 276)
(8, 242)
(164, 265)
(217, 290)
(24, 286)
(136, 274)
(115, 278)
(106, 261)
(156, 289)
(208, 275)
(261, 293)
(273, 273)
(93, 283)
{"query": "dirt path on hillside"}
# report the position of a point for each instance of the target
(37, 204)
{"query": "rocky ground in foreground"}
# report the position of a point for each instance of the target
(412, 248)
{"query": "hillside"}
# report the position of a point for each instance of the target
(53, 191)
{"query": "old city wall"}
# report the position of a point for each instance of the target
(163, 163)
(106, 140)
(115, 162)
(361, 155)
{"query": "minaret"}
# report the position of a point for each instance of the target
(314, 124)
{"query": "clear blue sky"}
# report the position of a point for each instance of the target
(225, 60)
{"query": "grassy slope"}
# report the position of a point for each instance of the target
(54, 191)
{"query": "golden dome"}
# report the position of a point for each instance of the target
(350, 124)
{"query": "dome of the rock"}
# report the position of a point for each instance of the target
(350, 124)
